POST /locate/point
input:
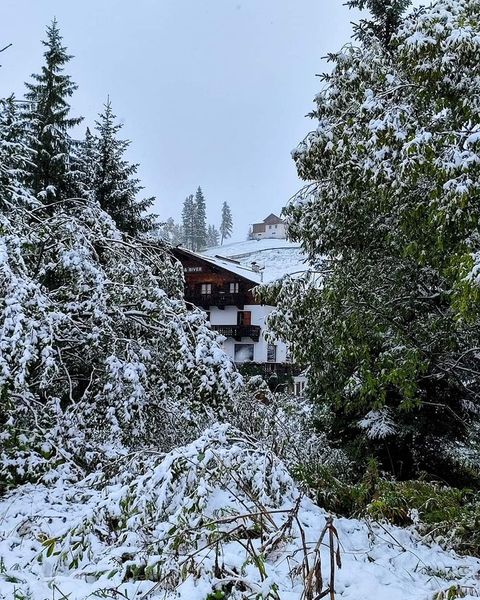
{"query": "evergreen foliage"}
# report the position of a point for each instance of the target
(390, 220)
(99, 352)
(188, 222)
(108, 357)
(213, 236)
(15, 156)
(196, 235)
(51, 172)
(386, 19)
(226, 225)
(171, 232)
(87, 164)
(200, 219)
(115, 185)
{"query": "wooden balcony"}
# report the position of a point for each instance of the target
(219, 299)
(237, 332)
(282, 370)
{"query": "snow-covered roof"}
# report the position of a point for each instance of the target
(227, 264)
(276, 258)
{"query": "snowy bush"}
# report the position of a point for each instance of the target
(166, 517)
(217, 518)
(99, 349)
(293, 428)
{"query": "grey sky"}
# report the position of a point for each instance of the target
(212, 92)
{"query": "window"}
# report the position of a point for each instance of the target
(234, 288)
(271, 353)
(243, 353)
(244, 317)
(300, 385)
(206, 288)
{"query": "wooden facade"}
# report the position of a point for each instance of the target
(207, 284)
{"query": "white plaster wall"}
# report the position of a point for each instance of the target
(228, 316)
(271, 233)
(259, 314)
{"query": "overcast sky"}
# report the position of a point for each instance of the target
(211, 92)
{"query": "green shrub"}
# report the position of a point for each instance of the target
(447, 515)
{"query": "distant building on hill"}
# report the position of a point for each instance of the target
(272, 227)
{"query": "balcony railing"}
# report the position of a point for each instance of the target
(282, 369)
(219, 299)
(269, 368)
(238, 331)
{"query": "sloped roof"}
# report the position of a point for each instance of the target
(227, 264)
(272, 219)
(278, 257)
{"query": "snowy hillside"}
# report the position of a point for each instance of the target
(276, 257)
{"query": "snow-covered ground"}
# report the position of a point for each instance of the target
(249, 246)
(276, 258)
(58, 542)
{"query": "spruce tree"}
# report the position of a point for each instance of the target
(213, 236)
(14, 156)
(171, 232)
(226, 224)
(188, 221)
(51, 175)
(200, 228)
(115, 185)
(386, 18)
(87, 165)
(390, 220)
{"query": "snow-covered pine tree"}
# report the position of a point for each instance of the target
(116, 186)
(385, 21)
(88, 158)
(14, 200)
(51, 174)
(188, 222)
(390, 218)
(14, 155)
(176, 234)
(200, 217)
(171, 232)
(226, 225)
(213, 236)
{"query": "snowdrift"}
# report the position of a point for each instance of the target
(219, 514)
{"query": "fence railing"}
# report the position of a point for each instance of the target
(238, 331)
